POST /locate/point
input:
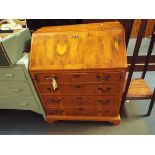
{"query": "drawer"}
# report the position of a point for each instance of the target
(78, 77)
(23, 103)
(4, 60)
(81, 89)
(102, 101)
(79, 111)
(13, 88)
(12, 74)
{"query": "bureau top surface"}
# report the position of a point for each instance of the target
(84, 46)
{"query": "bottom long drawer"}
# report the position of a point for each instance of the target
(23, 103)
(82, 111)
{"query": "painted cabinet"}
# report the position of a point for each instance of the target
(12, 46)
(16, 88)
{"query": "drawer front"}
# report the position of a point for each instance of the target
(67, 101)
(78, 89)
(12, 74)
(23, 103)
(78, 77)
(12, 88)
(4, 60)
(79, 111)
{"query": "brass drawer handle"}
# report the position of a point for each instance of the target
(106, 77)
(58, 100)
(15, 90)
(98, 77)
(104, 90)
(55, 100)
(100, 101)
(49, 89)
(107, 101)
(50, 78)
(79, 98)
(59, 111)
(76, 75)
(107, 111)
(24, 104)
(77, 86)
(7, 75)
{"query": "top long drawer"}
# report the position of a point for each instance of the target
(79, 77)
(12, 74)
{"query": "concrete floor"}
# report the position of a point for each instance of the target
(143, 104)
(14, 122)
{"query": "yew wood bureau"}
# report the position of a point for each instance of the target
(79, 71)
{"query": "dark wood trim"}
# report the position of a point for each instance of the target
(140, 67)
(141, 59)
(151, 104)
(149, 53)
(135, 55)
(140, 63)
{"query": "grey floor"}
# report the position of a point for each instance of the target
(133, 122)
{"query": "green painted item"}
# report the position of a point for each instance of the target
(17, 90)
(12, 46)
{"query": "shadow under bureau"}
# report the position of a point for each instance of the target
(79, 71)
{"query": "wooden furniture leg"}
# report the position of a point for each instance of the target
(151, 104)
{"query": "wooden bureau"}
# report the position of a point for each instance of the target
(79, 71)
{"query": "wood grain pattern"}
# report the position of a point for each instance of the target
(78, 88)
(88, 64)
(67, 101)
(62, 77)
(115, 120)
(139, 89)
(149, 28)
(84, 49)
